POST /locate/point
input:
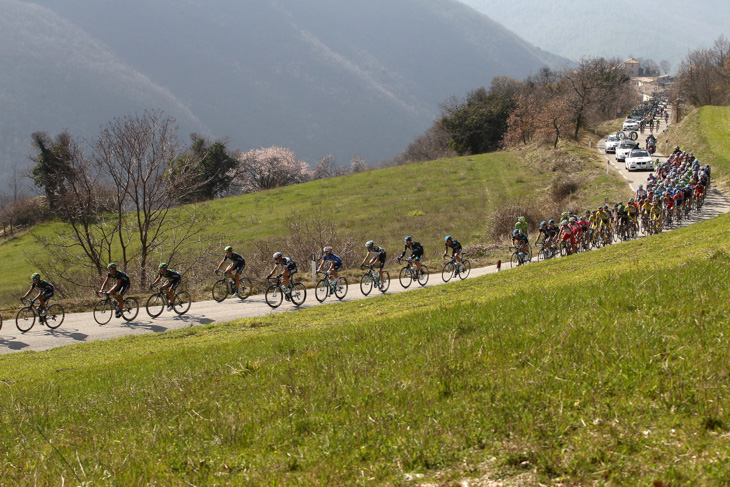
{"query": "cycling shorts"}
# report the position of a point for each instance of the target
(123, 288)
(173, 283)
(380, 263)
(417, 255)
(48, 293)
(336, 267)
(238, 267)
(292, 268)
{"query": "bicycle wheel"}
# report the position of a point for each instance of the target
(155, 305)
(447, 272)
(25, 319)
(321, 290)
(220, 290)
(341, 288)
(423, 276)
(54, 316)
(465, 269)
(385, 283)
(405, 277)
(514, 260)
(633, 136)
(298, 294)
(245, 288)
(1, 322)
(130, 309)
(182, 303)
(103, 311)
(273, 296)
(366, 284)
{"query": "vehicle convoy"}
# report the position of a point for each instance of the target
(624, 149)
(639, 160)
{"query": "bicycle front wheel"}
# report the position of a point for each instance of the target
(366, 284)
(103, 311)
(54, 316)
(130, 309)
(182, 303)
(447, 272)
(514, 260)
(298, 294)
(155, 305)
(321, 290)
(245, 288)
(273, 296)
(423, 275)
(405, 277)
(341, 288)
(465, 269)
(25, 319)
(220, 290)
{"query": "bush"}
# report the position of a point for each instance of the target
(562, 187)
(502, 221)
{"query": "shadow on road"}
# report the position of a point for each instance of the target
(13, 344)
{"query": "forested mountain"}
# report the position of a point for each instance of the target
(340, 76)
(654, 29)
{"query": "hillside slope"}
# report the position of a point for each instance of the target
(343, 77)
(598, 368)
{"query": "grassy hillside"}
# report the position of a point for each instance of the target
(706, 133)
(426, 200)
(608, 368)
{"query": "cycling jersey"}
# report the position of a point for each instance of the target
(454, 245)
(45, 288)
(238, 261)
(336, 261)
(289, 264)
(120, 277)
(416, 250)
(173, 277)
(378, 252)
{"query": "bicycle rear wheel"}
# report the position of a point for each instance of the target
(1, 322)
(130, 309)
(220, 290)
(54, 316)
(341, 288)
(103, 311)
(245, 288)
(405, 277)
(182, 303)
(321, 290)
(155, 305)
(366, 284)
(447, 272)
(298, 294)
(25, 319)
(385, 282)
(273, 296)
(465, 269)
(423, 275)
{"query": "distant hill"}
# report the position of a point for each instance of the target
(347, 77)
(666, 29)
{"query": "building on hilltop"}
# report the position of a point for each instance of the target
(632, 67)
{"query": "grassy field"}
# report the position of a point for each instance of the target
(607, 368)
(426, 200)
(706, 133)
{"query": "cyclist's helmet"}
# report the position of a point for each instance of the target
(631, 200)
(522, 219)
(573, 219)
(551, 221)
(327, 249)
(588, 212)
(564, 223)
(447, 238)
(543, 223)
(369, 244)
(162, 266)
(111, 266)
(35, 276)
(408, 239)
(229, 249)
(277, 255)
(516, 232)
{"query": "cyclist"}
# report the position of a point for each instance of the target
(416, 252)
(520, 241)
(45, 291)
(455, 248)
(335, 263)
(632, 212)
(568, 237)
(120, 287)
(171, 283)
(238, 263)
(289, 269)
(378, 255)
(656, 216)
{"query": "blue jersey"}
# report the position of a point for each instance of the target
(333, 258)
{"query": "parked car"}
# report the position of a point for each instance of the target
(624, 148)
(639, 159)
(631, 124)
(611, 143)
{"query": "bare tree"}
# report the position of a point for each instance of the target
(357, 164)
(327, 168)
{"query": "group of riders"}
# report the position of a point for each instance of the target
(678, 186)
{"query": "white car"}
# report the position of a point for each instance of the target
(611, 143)
(631, 124)
(624, 148)
(639, 159)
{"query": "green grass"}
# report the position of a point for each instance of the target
(605, 368)
(426, 200)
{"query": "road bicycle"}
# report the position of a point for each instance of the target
(456, 269)
(631, 135)
(227, 286)
(159, 300)
(105, 308)
(371, 279)
(519, 257)
(52, 316)
(410, 273)
(547, 251)
(328, 285)
(276, 292)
